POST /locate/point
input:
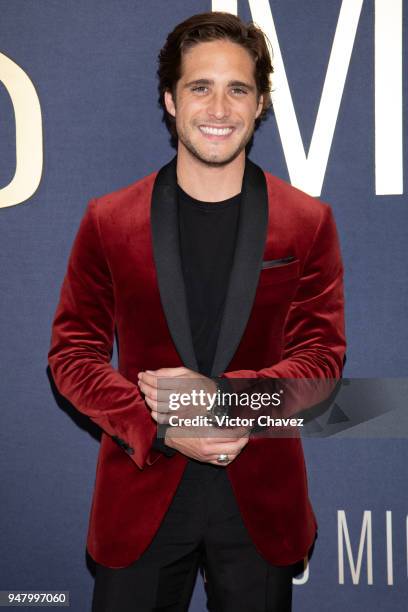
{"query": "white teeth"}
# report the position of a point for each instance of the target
(215, 131)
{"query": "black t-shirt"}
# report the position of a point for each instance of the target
(207, 242)
(207, 236)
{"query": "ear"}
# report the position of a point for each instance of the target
(169, 103)
(260, 106)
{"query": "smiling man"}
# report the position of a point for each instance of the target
(215, 104)
(209, 269)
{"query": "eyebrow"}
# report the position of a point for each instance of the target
(230, 83)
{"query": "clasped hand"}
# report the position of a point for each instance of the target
(204, 443)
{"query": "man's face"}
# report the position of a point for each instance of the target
(216, 101)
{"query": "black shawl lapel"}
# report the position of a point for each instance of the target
(250, 244)
(166, 250)
(252, 232)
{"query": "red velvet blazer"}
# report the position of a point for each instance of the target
(124, 274)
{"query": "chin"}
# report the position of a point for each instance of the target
(217, 159)
(208, 155)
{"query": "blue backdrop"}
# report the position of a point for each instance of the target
(93, 64)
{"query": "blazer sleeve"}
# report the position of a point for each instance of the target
(82, 345)
(314, 333)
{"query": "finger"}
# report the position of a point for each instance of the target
(152, 404)
(169, 372)
(147, 378)
(159, 418)
(225, 449)
(231, 454)
(164, 408)
(174, 383)
(148, 391)
(217, 436)
(181, 383)
(162, 397)
(155, 393)
(231, 457)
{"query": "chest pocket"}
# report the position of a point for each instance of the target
(279, 274)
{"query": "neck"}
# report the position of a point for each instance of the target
(209, 183)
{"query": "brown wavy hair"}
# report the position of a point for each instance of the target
(207, 27)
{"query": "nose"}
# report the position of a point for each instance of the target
(218, 106)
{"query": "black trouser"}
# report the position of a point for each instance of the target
(202, 529)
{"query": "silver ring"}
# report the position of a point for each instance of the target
(223, 458)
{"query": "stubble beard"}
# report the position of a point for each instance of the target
(211, 160)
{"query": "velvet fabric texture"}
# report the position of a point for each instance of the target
(280, 321)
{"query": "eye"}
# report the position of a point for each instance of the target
(199, 89)
(239, 91)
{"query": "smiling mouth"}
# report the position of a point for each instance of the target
(215, 131)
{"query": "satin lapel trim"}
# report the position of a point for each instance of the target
(250, 245)
(166, 252)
